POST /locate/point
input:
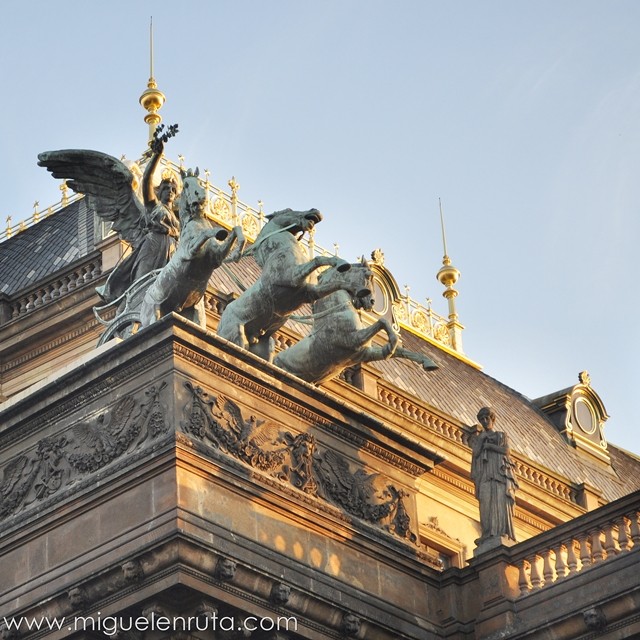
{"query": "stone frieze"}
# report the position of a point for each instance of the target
(60, 460)
(296, 459)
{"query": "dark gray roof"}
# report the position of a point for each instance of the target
(45, 248)
(460, 390)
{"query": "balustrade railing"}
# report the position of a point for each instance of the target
(578, 545)
(54, 289)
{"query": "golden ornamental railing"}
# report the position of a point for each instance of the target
(12, 229)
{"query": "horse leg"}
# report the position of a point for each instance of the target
(301, 272)
(197, 244)
(264, 348)
(427, 363)
(236, 254)
(196, 314)
(231, 328)
(373, 353)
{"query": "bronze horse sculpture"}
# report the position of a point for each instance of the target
(202, 247)
(284, 284)
(180, 285)
(339, 339)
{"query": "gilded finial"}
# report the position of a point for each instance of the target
(234, 199)
(152, 98)
(448, 276)
(377, 256)
(36, 213)
(336, 248)
(207, 184)
(311, 242)
(65, 193)
(584, 378)
(9, 230)
(234, 187)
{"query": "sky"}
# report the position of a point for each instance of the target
(523, 117)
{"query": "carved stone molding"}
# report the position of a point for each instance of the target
(101, 388)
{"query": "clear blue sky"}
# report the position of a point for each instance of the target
(524, 117)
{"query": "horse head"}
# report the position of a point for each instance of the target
(295, 222)
(356, 280)
(193, 195)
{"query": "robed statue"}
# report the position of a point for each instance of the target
(493, 474)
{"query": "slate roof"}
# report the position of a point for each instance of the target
(461, 390)
(45, 248)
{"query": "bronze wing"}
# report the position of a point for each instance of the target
(107, 183)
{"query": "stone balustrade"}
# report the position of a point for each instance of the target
(54, 289)
(578, 545)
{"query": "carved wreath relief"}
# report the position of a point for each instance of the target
(59, 461)
(297, 460)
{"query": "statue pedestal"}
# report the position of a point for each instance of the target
(487, 544)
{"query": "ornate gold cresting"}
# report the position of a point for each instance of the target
(152, 98)
(448, 276)
(65, 193)
(233, 183)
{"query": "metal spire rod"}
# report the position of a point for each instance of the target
(444, 237)
(151, 47)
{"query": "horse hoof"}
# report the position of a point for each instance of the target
(343, 266)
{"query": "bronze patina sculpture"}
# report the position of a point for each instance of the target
(180, 285)
(339, 339)
(150, 227)
(159, 276)
(284, 284)
(493, 475)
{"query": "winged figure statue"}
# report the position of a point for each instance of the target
(150, 226)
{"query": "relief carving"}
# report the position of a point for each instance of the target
(58, 461)
(297, 460)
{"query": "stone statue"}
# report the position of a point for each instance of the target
(150, 227)
(493, 475)
(339, 339)
(284, 284)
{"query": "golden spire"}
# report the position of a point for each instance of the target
(448, 276)
(152, 98)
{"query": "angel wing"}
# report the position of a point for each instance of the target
(11, 474)
(336, 471)
(228, 415)
(92, 436)
(260, 432)
(107, 183)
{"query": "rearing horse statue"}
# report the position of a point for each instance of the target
(284, 286)
(339, 339)
(202, 247)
